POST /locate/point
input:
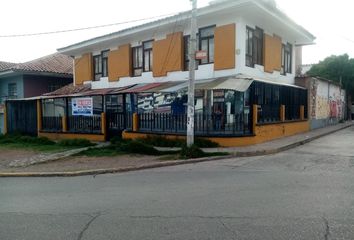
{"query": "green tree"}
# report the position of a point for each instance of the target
(335, 67)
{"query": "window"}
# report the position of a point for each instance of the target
(206, 43)
(137, 61)
(286, 58)
(12, 90)
(100, 65)
(147, 46)
(97, 66)
(254, 46)
(104, 63)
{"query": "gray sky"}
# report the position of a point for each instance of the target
(330, 21)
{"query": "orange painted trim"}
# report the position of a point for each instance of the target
(302, 112)
(60, 136)
(64, 124)
(225, 46)
(135, 122)
(39, 115)
(282, 113)
(263, 133)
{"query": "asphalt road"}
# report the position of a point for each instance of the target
(304, 193)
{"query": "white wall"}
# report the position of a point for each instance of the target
(204, 71)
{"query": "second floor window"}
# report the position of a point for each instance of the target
(137, 60)
(186, 53)
(286, 58)
(100, 65)
(105, 63)
(206, 43)
(147, 48)
(254, 46)
(12, 90)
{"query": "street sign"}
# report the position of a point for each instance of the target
(200, 55)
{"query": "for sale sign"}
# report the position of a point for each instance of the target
(82, 106)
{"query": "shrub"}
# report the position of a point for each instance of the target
(205, 143)
(139, 148)
(159, 141)
(191, 152)
(75, 143)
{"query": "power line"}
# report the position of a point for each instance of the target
(82, 29)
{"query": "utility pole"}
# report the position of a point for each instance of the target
(191, 86)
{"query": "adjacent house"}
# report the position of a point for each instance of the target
(33, 78)
(134, 82)
(327, 101)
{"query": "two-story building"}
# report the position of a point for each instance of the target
(245, 86)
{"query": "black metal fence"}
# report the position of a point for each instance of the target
(204, 124)
(52, 124)
(84, 124)
(269, 98)
(22, 117)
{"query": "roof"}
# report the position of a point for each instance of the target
(6, 65)
(56, 63)
(265, 5)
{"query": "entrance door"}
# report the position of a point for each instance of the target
(116, 117)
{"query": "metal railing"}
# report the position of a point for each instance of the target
(204, 124)
(268, 113)
(84, 124)
(52, 124)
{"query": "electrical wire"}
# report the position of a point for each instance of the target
(83, 28)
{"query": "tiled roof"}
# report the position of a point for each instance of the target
(54, 63)
(6, 65)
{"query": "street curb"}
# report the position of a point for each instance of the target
(170, 163)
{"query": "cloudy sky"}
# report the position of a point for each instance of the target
(330, 21)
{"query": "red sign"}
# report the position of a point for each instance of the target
(200, 55)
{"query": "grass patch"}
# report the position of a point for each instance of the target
(41, 144)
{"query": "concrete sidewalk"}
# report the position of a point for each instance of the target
(271, 147)
(277, 145)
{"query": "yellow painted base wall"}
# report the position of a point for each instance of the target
(60, 136)
(263, 133)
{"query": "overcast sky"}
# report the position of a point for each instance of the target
(330, 21)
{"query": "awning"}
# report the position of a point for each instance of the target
(226, 83)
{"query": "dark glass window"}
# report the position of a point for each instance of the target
(147, 56)
(12, 90)
(254, 46)
(286, 58)
(206, 43)
(97, 67)
(137, 61)
(100, 65)
(105, 63)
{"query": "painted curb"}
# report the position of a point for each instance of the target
(170, 163)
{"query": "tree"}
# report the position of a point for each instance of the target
(335, 67)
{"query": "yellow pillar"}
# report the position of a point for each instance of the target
(64, 124)
(254, 117)
(302, 112)
(103, 124)
(282, 113)
(135, 122)
(5, 119)
(39, 115)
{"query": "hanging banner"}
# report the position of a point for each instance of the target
(82, 106)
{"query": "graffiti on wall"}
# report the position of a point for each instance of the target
(327, 100)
